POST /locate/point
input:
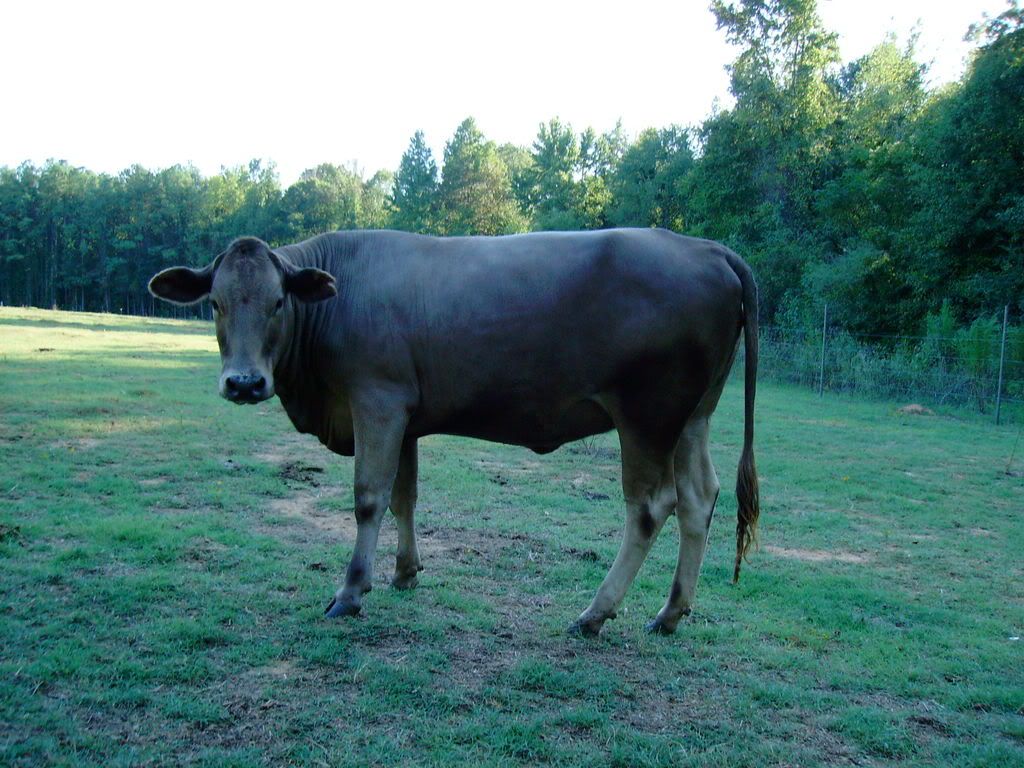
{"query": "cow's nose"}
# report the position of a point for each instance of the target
(245, 388)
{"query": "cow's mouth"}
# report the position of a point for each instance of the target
(246, 399)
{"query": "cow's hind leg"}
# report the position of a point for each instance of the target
(649, 488)
(697, 491)
(403, 505)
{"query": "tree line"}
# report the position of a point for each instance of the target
(852, 183)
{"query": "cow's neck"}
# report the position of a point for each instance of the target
(305, 321)
(298, 370)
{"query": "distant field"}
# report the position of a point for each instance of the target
(165, 558)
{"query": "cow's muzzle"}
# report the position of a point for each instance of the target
(245, 388)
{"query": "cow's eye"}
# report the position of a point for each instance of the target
(280, 303)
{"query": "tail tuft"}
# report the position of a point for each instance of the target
(747, 493)
(748, 509)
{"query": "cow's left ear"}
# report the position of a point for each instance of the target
(306, 284)
(311, 284)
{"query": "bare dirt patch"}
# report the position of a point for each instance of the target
(503, 472)
(823, 422)
(76, 444)
(607, 453)
(462, 544)
(300, 472)
(257, 699)
(303, 508)
(292, 446)
(282, 669)
(525, 467)
(202, 546)
(663, 714)
(816, 555)
(915, 409)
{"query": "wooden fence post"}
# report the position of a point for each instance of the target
(1002, 361)
(821, 372)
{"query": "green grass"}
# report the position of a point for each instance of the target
(165, 558)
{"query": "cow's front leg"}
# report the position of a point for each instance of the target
(379, 425)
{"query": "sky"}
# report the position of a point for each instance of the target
(216, 83)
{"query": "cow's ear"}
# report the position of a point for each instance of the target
(310, 284)
(306, 284)
(182, 285)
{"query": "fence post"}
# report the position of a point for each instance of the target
(821, 372)
(1002, 361)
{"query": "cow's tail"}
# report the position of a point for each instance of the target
(747, 496)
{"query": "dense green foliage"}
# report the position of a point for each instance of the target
(848, 183)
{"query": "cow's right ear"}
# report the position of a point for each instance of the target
(183, 285)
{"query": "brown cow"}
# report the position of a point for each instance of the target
(374, 339)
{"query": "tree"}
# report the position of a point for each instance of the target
(649, 185)
(521, 170)
(763, 161)
(555, 194)
(476, 189)
(414, 200)
(373, 209)
(967, 234)
(257, 212)
(324, 199)
(600, 155)
(863, 206)
(566, 184)
(849, 184)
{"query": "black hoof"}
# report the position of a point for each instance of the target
(337, 608)
(405, 582)
(585, 628)
(655, 627)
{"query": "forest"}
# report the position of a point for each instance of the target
(851, 183)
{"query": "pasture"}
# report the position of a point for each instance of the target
(165, 558)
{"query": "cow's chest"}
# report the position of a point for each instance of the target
(330, 419)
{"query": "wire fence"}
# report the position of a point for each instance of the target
(980, 368)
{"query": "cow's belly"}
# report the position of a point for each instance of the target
(541, 428)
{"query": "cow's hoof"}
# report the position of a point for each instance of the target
(589, 628)
(338, 608)
(405, 581)
(658, 627)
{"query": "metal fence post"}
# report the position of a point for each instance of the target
(824, 335)
(1002, 361)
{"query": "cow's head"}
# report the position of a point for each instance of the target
(251, 289)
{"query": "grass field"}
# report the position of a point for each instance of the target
(165, 558)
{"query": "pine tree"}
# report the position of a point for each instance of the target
(414, 200)
(476, 189)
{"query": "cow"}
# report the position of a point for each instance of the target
(374, 339)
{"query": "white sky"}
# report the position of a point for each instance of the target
(108, 84)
